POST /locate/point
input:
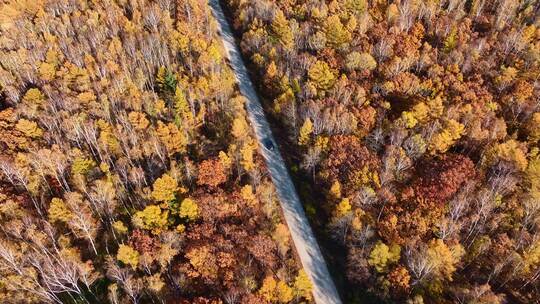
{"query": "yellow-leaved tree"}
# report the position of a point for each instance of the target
(321, 75)
(343, 208)
(446, 137)
(29, 128)
(246, 152)
(302, 286)
(337, 34)
(59, 211)
(173, 138)
(240, 128)
(534, 127)
(382, 256)
(247, 193)
(276, 291)
(225, 160)
(183, 114)
(33, 100)
(165, 188)
(107, 138)
(82, 165)
(444, 258)
(189, 209)
(138, 120)
(531, 257)
(281, 29)
(511, 151)
(335, 189)
(305, 131)
(152, 218)
(360, 61)
(128, 256)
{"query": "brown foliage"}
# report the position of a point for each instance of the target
(439, 179)
(211, 173)
(399, 279)
(143, 242)
(346, 157)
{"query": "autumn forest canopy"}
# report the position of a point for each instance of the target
(130, 172)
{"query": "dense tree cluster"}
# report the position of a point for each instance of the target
(420, 120)
(129, 173)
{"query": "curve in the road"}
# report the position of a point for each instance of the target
(324, 290)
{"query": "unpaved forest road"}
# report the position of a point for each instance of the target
(324, 290)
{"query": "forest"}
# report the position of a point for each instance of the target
(412, 129)
(130, 173)
(128, 170)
